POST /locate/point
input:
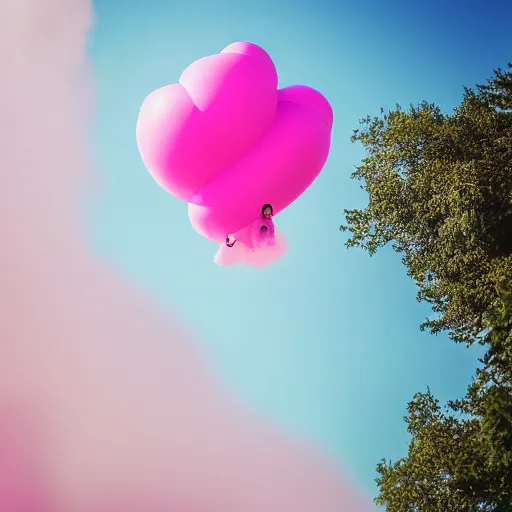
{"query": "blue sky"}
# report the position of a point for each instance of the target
(326, 341)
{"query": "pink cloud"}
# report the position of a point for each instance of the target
(106, 403)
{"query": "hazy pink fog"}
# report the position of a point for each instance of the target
(105, 404)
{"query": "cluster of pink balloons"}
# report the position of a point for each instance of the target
(227, 141)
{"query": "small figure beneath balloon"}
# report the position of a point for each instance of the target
(265, 235)
(257, 244)
(263, 232)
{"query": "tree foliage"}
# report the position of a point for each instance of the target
(440, 191)
(456, 462)
(460, 456)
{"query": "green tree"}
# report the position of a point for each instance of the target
(458, 459)
(440, 191)
(460, 456)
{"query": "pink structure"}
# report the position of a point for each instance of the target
(226, 140)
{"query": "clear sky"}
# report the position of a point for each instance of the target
(325, 342)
